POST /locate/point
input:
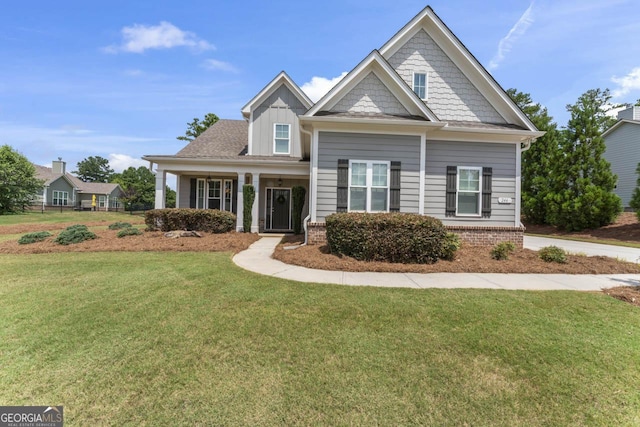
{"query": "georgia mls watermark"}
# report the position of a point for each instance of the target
(31, 416)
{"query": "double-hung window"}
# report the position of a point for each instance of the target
(281, 138)
(368, 186)
(60, 198)
(420, 85)
(469, 187)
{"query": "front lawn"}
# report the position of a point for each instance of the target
(153, 338)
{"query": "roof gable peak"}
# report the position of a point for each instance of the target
(281, 79)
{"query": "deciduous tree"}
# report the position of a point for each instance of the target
(197, 127)
(94, 169)
(18, 182)
(138, 184)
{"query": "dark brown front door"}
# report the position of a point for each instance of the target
(278, 209)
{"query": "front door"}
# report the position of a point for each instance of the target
(278, 209)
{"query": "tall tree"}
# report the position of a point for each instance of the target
(139, 185)
(583, 196)
(197, 127)
(170, 198)
(538, 159)
(94, 169)
(18, 182)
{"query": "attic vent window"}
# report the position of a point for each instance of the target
(420, 85)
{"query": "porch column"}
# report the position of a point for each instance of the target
(161, 185)
(240, 202)
(255, 223)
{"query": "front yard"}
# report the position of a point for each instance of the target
(152, 338)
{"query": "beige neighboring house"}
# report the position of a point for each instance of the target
(623, 152)
(65, 191)
(418, 126)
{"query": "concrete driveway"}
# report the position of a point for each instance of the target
(590, 249)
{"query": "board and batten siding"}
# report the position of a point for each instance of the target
(623, 152)
(282, 106)
(333, 146)
(500, 157)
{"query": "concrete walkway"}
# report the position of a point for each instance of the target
(258, 259)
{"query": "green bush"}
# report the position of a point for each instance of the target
(502, 250)
(119, 225)
(553, 254)
(74, 234)
(34, 237)
(634, 203)
(390, 237)
(208, 220)
(297, 193)
(248, 196)
(129, 231)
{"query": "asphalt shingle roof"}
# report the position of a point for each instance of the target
(225, 139)
(43, 172)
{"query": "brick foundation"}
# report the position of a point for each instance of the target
(469, 234)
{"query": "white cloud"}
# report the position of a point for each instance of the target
(319, 86)
(627, 83)
(506, 43)
(120, 162)
(138, 38)
(214, 64)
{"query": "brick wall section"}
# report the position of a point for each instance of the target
(471, 235)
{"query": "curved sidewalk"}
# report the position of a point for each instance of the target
(258, 259)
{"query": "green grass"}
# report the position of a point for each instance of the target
(589, 240)
(191, 339)
(52, 217)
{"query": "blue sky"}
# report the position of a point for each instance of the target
(120, 79)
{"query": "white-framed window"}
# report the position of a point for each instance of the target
(420, 85)
(228, 195)
(368, 186)
(102, 201)
(60, 198)
(469, 191)
(200, 199)
(215, 194)
(281, 138)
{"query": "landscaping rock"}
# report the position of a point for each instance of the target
(181, 233)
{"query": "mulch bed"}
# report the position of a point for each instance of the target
(32, 228)
(107, 241)
(628, 294)
(625, 229)
(469, 259)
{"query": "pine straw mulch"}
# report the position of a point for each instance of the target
(32, 228)
(625, 229)
(469, 259)
(107, 241)
(630, 294)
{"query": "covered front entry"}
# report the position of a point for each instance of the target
(278, 209)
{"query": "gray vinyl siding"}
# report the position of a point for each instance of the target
(281, 107)
(184, 190)
(500, 157)
(358, 146)
(623, 152)
(60, 184)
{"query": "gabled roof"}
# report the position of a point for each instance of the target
(47, 174)
(374, 62)
(618, 124)
(463, 59)
(281, 79)
(224, 139)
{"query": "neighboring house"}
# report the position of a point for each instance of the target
(63, 190)
(418, 126)
(623, 152)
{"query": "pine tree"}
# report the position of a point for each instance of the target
(537, 160)
(582, 195)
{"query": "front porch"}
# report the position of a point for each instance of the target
(221, 188)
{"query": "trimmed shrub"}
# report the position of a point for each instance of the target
(119, 225)
(248, 196)
(208, 220)
(74, 234)
(390, 237)
(129, 231)
(450, 245)
(297, 193)
(502, 250)
(553, 254)
(38, 236)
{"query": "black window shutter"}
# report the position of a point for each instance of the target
(486, 192)
(342, 192)
(394, 191)
(450, 203)
(234, 196)
(192, 193)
